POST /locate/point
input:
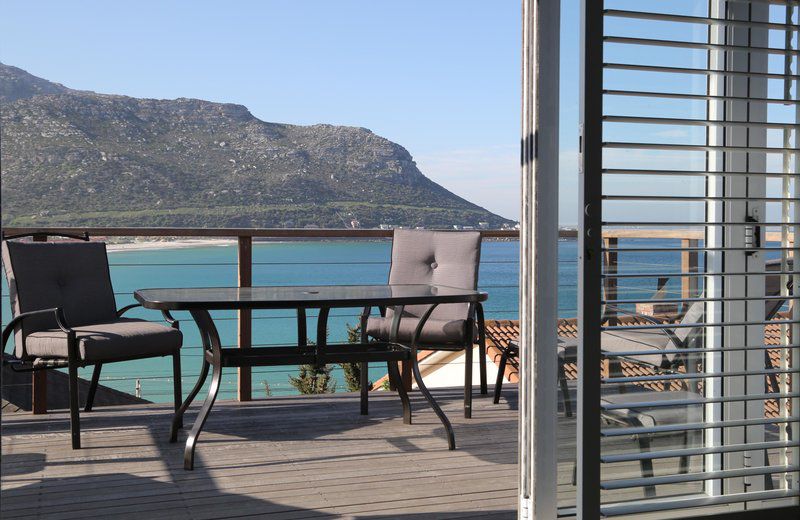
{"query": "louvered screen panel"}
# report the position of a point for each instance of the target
(689, 186)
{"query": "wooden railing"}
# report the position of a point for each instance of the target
(245, 237)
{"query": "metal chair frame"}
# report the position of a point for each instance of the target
(73, 362)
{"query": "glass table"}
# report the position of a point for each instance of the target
(201, 300)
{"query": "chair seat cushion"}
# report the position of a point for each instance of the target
(435, 332)
(636, 341)
(637, 415)
(121, 339)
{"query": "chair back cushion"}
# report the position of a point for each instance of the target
(693, 315)
(70, 275)
(772, 287)
(438, 258)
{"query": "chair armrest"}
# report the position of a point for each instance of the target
(125, 309)
(58, 312)
(175, 324)
(422, 320)
(167, 316)
(645, 317)
(363, 323)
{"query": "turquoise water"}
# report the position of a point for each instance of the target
(306, 263)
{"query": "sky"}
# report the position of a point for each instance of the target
(441, 78)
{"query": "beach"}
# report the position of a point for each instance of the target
(147, 245)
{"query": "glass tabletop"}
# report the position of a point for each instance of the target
(287, 297)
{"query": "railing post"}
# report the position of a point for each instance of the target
(610, 283)
(39, 378)
(245, 382)
(689, 264)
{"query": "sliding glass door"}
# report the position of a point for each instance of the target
(688, 353)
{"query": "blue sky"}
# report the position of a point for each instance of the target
(442, 78)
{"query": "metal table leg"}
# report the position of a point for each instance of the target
(451, 438)
(208, 332)
(364, 367)
(394, 378)
(177, 419)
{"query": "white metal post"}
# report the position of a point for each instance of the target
(539, 259)
(745, 287)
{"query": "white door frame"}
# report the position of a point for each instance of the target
(538, 311)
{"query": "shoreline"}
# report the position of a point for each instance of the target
(148, 245)
(154, 245)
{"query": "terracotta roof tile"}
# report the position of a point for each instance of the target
(500, 332)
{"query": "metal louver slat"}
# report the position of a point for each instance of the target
(639, 430)
(673, 504)
(697, 45)
(692, 477)
(666, 454)
(698, 97)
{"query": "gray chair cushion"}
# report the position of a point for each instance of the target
(636, 340)
(70, 275)
(118, 340)
(432, 257)
(434, 332)
(649, 417)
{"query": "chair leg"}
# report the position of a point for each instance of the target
(468, 382)
(482, 348)
(74, 413)
(93, 387)
(394, 378)
(364, 384)
(683, 462)
(769, 485)
(176, 385)
(562, 381)
(646, 465)
(501, 371)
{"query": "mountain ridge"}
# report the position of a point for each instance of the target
(83, 158)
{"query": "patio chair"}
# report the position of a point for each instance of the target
(510, 354)
(443, 258)
(65, 316)
(655, 341)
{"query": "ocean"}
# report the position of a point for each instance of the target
(306, 263)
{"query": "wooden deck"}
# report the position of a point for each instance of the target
(285, 457)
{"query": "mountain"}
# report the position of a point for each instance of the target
(74, 157)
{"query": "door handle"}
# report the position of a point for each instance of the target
(752, 236)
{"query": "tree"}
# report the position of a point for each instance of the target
(352, 371)
(314, 379)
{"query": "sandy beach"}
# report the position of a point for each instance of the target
(169, 244)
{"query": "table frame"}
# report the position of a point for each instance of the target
(215, 356)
